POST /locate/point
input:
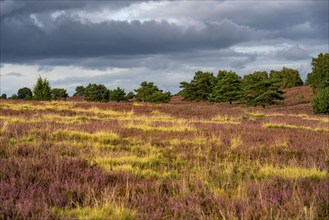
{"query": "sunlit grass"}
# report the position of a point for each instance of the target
(236, 142)
(225, 119)
(59, 106)
(150, 166)
(177, 127)
(291, 172)
(106, 211)
(102, 137)
(275, 125)
(262, 114)
(311, 118)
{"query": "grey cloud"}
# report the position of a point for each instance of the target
(14, 74)
(12, 8)
(24, 42)
(266, 15)
(45, 68)
(293, 53)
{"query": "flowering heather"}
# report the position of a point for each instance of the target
(162, 161)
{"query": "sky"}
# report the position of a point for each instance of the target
(122, 43)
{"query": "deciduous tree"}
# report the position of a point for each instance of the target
(24, 93)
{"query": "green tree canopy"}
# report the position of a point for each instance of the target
(159, 97)
(259, 89)
(148, 92)
(286, 78)
(319, 77)
(79, 91)
(96, 92)
(199, 88)
(228, 87)
(58, 94)
(321, 101)
(42, 90)
(118, 95)
(4, 96)
(146, 89)
(24, 93)
(14, 96)
(131, 95)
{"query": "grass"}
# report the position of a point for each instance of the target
(101, 137)
(178, 127)
(67, 160)
(276, 125)
(291, 172)
(105, 211)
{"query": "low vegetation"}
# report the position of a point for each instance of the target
(89, 160)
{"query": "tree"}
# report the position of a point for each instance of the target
(148, 92)
(57, 94)
(199, 88)
(42, 90)
(228, 88)
(159, 97)
(4, 96)
(96, 92)
(130, 95)
(287, 78)
(146, 89)
(260, 90)
(14, 96)
(79, 91)
(24, 93)
(321, 101)
(118, 95)
(319, 77)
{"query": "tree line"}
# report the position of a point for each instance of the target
(258, 89)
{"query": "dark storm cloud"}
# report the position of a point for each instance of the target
(24, 41)
(166, 42)
(11, 8)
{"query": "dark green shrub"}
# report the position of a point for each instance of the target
(321, 101)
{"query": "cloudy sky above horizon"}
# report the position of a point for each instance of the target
(122, 43)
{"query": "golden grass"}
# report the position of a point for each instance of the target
(291, 172)
(236, 142)
(176, 127)
(262, 114)
(102, 137)
(276, 125)
(106, 211)
(147, 166)
(311, 118)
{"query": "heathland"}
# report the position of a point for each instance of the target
(190, 160)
